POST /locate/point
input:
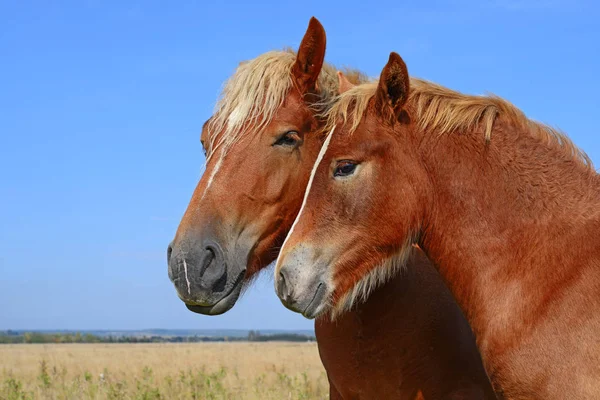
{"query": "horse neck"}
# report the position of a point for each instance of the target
(506, 225)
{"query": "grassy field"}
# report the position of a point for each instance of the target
(162, 371)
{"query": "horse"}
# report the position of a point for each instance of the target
(506, 208)
(260, 146)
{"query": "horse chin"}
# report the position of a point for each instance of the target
(318, 304)
(223, 305)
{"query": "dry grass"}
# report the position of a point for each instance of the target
(162, 371)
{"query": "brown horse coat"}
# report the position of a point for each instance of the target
(416, 344)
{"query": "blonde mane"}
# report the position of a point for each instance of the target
(437, 108)
(256, 90)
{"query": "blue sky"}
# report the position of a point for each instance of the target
(102, 102)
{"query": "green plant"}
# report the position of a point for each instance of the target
(44, 376)
(13, 390)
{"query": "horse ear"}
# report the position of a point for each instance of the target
(394, 84)
(343, 83)
(310, 57)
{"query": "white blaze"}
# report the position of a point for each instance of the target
(212, 175)
(310, 181)
(186, 276)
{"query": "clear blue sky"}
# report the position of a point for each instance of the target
(102, 102)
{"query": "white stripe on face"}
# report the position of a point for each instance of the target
(310, 181)
(186, 275)
(212, 175)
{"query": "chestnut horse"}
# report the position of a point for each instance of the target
(507, 209)
(261, 145)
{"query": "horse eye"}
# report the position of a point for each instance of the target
(344, 168)
(289, 138)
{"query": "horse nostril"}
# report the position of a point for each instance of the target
(169, 252)
(282, 288)
(282, 279)
(209, 257)
(212, 267)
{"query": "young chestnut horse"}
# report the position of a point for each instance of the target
(413, 345)
(506, 208)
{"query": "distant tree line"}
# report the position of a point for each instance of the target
(255, 336)
(14, 337)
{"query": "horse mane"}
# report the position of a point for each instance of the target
(252, 95)
(443, 110)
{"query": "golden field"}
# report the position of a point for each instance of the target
(271, 370)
